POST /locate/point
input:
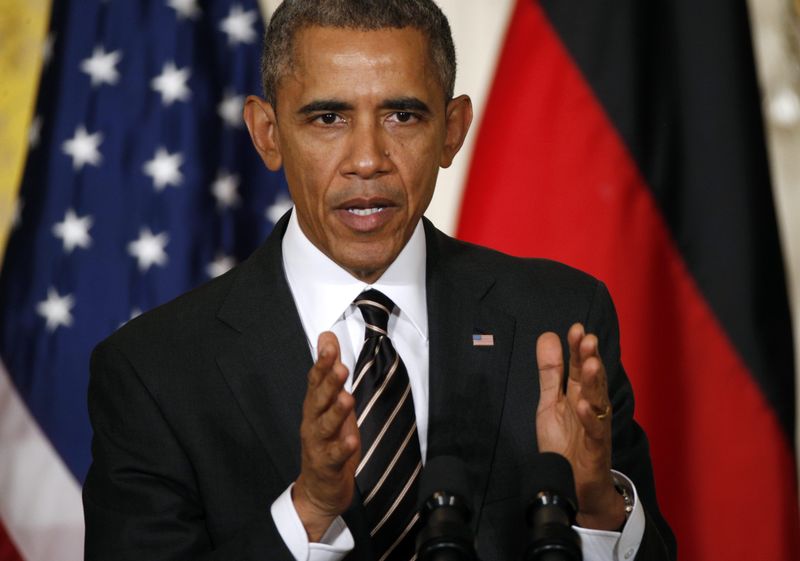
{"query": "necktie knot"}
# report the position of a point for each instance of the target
(375, 306)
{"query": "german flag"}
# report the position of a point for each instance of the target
(625, 138)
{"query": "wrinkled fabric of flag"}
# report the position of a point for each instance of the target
(141, 183)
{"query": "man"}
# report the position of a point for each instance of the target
(421, 345)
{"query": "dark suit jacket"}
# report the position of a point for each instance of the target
(196, 406)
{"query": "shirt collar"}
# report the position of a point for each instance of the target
(323, 291)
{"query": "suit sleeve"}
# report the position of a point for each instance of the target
(140, 497)
(631, 451)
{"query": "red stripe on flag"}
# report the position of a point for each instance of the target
(552, 178)
(7, 550)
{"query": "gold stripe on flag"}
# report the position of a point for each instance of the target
(23, 27)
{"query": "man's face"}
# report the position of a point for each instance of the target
(361, 128)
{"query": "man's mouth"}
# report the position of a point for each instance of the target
(365, 211)
(366, 214)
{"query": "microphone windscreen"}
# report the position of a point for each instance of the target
(444, 474)
(553, 473)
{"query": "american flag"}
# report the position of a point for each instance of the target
(482, 340)
(140, 184)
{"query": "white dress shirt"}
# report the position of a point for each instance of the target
(323, 293)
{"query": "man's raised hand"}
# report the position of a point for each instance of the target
(331, 447)
(577, 424)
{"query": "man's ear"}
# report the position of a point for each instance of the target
(263, 126)
(459, 117)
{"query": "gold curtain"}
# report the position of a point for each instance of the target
(23, 30)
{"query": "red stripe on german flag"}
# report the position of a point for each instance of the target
(552, 177)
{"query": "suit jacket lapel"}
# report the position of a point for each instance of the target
(266, 367)
(268, 364)
(467, 382)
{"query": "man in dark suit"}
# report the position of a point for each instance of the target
(227, 422)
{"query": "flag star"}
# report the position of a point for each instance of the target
(35, 132)
(226, 190)
(56, 309)
(186, 9)
(102, 66)
(220, 265)
(74, 231)
(238, 26)
(171, 83)
(83, 148)
(148, 249)
(278, 208)
(164, 168)
(230, 110)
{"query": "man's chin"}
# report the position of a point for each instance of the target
(367, 263)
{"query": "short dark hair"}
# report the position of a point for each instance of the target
(364, 15)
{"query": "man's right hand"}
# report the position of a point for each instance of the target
(331, 446)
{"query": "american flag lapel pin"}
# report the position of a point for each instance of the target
(482, 340)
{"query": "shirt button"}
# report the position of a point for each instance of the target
(629, 554)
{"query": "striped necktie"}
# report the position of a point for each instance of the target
(388, 474)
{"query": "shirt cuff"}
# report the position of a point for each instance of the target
(601, 545)
(333, 546)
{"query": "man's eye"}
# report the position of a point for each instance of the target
(328, 118)
(404, 116)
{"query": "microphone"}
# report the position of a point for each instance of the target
(446, 534)
(551, 513)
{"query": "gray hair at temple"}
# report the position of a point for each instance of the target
(364, 15)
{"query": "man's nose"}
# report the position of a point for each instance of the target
(368, 153)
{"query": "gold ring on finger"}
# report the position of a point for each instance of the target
(604, 414)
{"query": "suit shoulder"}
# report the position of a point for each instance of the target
(179, 319)
(527, 272)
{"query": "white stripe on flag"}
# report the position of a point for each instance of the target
(40, 500)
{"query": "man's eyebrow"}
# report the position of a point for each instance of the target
(322, 105)
(412, 104)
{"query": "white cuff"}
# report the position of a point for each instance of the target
(601, 545)
(333, 546)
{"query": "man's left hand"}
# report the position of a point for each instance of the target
(577, 423)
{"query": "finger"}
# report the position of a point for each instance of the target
(589, 346)
(322, 396)
(550, 360)
(327, 355)
(575, 337)
(597, 429)
(330, 383)
(344, 448)
(594, 408)
(326, 377)
(329, 424)
(593, 386)
(597, 384)
(344, 444)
